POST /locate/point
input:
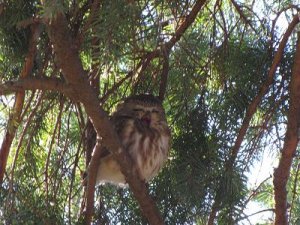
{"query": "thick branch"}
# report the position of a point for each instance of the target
(81, 90)
(32, 83)
(92, 173)
(213, 212)
(75, 76)
(282, 173)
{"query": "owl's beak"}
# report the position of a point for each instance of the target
(146, 119)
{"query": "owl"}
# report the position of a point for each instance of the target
(142, 127)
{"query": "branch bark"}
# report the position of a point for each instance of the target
(31, 83)
(187, 22)
(14, 118)
(243, 16)
(165, 49)
(75, 76)
(282, 173)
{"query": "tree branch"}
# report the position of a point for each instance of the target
(186, 24)
(294, 192)
(263, 90)
(282, 173)
(14, 118)
(243, 16)
(91, 181)
(258, 212)
(74, 74)
(32, 83)
(252, 109)
(165, 49)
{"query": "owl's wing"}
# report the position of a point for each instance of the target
(104, 153)
(120, 121)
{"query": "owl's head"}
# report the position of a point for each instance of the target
(145, 107)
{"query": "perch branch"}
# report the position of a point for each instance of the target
(75, 76)
(282, 172)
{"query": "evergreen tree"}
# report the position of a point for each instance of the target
(227, 72)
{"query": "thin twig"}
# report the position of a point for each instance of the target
(57, 124)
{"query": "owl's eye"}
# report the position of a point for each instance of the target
(138, 110)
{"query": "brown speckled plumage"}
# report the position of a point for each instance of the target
(143, 130)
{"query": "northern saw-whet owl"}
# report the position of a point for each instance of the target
(142, 127)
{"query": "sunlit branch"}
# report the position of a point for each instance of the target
(255, 192)
(75, 76)
(258, 212)
(282, 173)
(46, 84)
(278, 14)
(21, 139)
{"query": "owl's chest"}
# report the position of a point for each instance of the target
(148, 148)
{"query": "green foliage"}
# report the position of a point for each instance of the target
(51, 8)
(14, 37)
(29, 208)
(115, 27)
(215, 71)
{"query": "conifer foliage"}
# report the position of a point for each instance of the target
(227, 72)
